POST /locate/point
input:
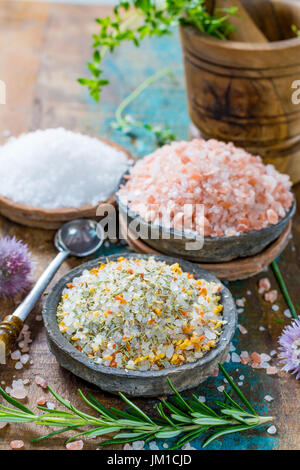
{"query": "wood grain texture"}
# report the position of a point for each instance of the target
(46, 47)
(241, 91)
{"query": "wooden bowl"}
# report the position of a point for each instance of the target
(242, 91)
(215, 249)
(53, 218)
(137, 383)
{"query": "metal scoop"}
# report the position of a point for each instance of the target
(78, 238)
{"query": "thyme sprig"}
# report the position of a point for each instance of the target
(177, 417)
(133, 20)
(126, 123)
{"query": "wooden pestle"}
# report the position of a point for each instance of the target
(266, 17)
(247, 30)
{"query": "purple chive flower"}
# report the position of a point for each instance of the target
(15, 267)
(290, 348)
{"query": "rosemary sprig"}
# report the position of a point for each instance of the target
(133, 20)
(126, 123)
(283, 288)
(186, 419)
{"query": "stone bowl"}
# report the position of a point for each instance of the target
(214, 250)
(137, 383)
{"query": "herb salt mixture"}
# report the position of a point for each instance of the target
(141, 314)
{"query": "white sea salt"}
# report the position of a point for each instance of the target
(235, 357)
(272, 430)
(138, 445)
(275, 308)
(287, 313)
(268, 398)
(58, 168)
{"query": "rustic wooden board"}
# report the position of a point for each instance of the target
(46, 47)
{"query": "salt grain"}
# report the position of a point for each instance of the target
(242, 329)
(138, 445)
(58, 168)
(275, 308)
(19, 365)
(271, 296)
(268, 398)
(16, 445)
(41, 401)
(272, 370)
(272, 430)
(75, 445)
(235, 357)
(287, 313)
(16, 355)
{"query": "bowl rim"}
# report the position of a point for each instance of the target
(50, 322)
(174, 232)
(61, 212)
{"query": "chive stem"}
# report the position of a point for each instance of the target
(283, 288)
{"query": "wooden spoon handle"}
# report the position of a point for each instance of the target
(10, 328)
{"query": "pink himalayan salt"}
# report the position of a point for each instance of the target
(271, 296)
(41, 401)
(272, 370)
(264, 285)
(255, 357)
(242, 329)
(75, 445)
(238, 191)
(16, 444)
(41, 382)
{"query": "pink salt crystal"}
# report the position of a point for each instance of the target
(272, 370)
(271, 296)
(26, 381)
(41, 401)
(221, 388)
(215, 373)
(41, 382)
(75, 445)
(16, 444)
(242, 329)
(24, 359)
(255, 357)
(264, 284)
(239, 192)
(256, 365)
(245, 360)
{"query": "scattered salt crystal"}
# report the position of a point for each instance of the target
(138, 445)
(50, 405)
(153, 446)
(287, 313)
(25, 358)
(26, 381)
(127, 447)
(269, 398)
(231, 347)
(41, 382)
(18, 393)
(255, 357)
(202, 399)
(2, 382)
(273, 352)
(16, 444)
(249, 292)
(272, 370)
(75, 445)
(213, 173)
(16, 355)
(188, 447)
(272, 430)
(41, 401)
(265, 357)
(275, 308)
(240, 310)
(240, 302)
(19, 365)
(242, 329)
(235, 357)
(89, 169)
(264, 365)
(8, 390)
(271, 296)
(264, 284)
(165, 445)
(221, 388)
(241, 377)
(240, 384)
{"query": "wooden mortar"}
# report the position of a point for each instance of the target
(242, 91)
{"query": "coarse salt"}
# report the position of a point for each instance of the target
(56, 168)
(239, 193)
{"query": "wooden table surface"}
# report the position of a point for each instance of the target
(45, 48)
